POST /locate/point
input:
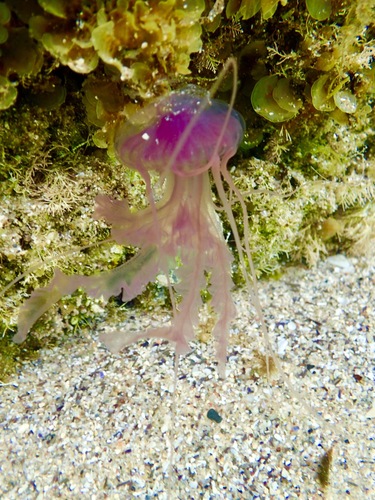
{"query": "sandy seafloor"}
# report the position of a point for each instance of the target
(83, 423)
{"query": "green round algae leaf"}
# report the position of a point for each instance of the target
(82, 60)
(4, 13)
(284, 96)
(102, 98)
(245, 9)
(100, 139)
(54, 7)
(3, 34)
(264, 103)
(21, 54)
(321, 97)
(57, 44)
(142, 74)
(51, 98)
(212, 26)
(8, 93)
(38, 26)
(345, 101)
(269, 8)
(251, 139)
(340, 117)
(78, 59)
(319, 9)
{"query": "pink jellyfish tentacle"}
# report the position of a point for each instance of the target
(251, 282)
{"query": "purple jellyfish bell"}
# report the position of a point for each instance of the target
(153, 147)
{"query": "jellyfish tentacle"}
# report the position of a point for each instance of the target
(222, 302)
(41, 300)
(130, 278)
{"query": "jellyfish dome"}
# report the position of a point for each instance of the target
(185, 133)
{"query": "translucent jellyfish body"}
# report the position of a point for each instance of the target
(181, 137)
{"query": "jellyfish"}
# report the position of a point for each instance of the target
(184, 137)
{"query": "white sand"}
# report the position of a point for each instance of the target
(82, 423)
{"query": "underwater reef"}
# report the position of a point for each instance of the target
(70, 72)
